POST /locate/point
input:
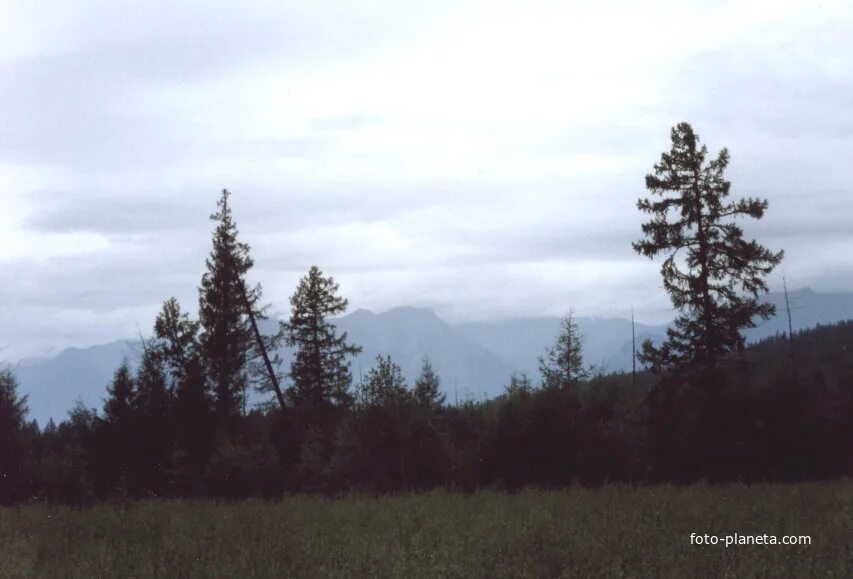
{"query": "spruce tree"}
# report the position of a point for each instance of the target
(117, 435)
(387, 424)
(427, 392)
(712, 274)
(427, 445)
(190, 417)
(320, 371)
(121, 397)
(320, 379)
(152, 407)
(13, 409)
(385, 386)
(562, 365)
(177, 340)
(226, 338)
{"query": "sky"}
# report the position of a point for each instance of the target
(483, 159)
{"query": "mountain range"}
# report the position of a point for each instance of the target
(473, 359)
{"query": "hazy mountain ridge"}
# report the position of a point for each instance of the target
(473, 359)
(52, 384)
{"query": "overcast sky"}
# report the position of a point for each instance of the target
(480, 158)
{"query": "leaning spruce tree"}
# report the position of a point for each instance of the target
(712, 274)
(226, 338)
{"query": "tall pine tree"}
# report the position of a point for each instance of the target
(320, 371)
(320, 379)
(712, 274)
(226, 339)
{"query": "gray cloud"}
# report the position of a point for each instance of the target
(85, 107)
(335, 126)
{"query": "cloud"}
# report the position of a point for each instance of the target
(480, 158)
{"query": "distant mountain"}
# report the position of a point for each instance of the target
(473, 359)
(521, 341)
(54, 383)
(808, 309)
(467, 368)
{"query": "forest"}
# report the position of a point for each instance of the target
(702, 406)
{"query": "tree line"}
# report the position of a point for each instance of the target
(706, 406)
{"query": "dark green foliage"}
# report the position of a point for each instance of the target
(13, 448)
(177, 340)
(193, 428)
(178, 426)
(226, 338)
(153, 425)
(427, 391)
(394, 438)
(320, 371)
(191, 416)
(116, 436)
(518, 384)
(611, 431)
(761, 423)
(374, 447)
(121, 398)
(384, 386)
(534, 438)
(562, 366)
(712, 274)
(67, 470)
(428, 446)
(320, 375)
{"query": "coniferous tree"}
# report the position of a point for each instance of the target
(226, 338)
(429, 447)
(320, 371)
(320, 379)
(153, 430)
(712, 274)
(383, 427)
(384, 386)
(117, 434)
(69, 470)
(177, 343)
(177, 339)
(13, 409)
(121, 397)
(562, 366)
(519, 384)
(427, 391)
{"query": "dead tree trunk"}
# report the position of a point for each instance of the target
(263, 349)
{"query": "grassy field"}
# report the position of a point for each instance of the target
(613, 532)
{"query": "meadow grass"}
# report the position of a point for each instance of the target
(614, 531)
